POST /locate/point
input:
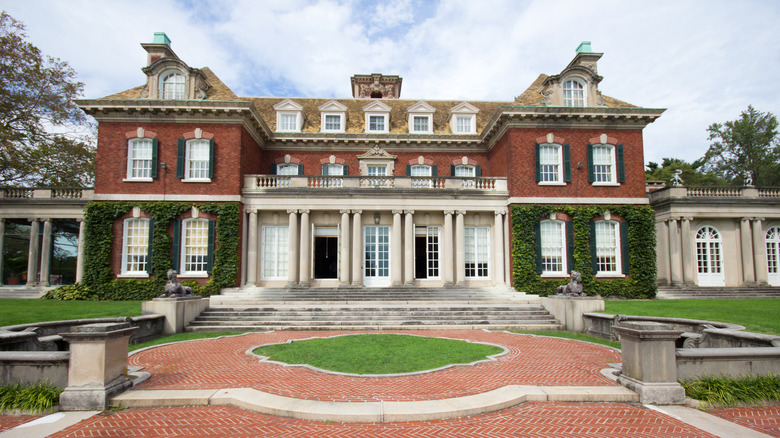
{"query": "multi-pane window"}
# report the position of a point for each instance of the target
(275, 250)
(773, 255)
(573, 93)
(466, 171)
(195, 246)
(288, 122)
(421, 124)
(139, 158)
(477, 246)
(135, 257)
(550, 163)
(432, 248)
(172, 86)
(197, 159)
(333, 122)
(607, 247)
(376, 123)
(708, 251)
(603, 163)
(420, 170)
(333, 169)
(377, 170)
(553, 242)
(464, 124)
(287, 169)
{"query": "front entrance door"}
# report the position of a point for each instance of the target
(326, 249)
(426, 252)
(376, 256)
(709, 257)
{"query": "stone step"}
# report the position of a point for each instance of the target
(717, 292)
(370, 325)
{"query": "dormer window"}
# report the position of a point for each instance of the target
(172, 86)
(333, 117)
(377, 117)
(421, 118)
(288, 122)
(289, 116)
(463, 119)
(573, 93)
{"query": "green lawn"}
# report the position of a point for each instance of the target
(757, 315)
(569, 335)
(20, 311)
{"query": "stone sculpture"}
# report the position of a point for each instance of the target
(175, 289)
(574, 288)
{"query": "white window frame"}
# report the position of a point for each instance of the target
(608, 245)
(610, 154)
(287, 169)
(198, 173)
(128, 245)
(477, 251)
(421, 170)
(385, 122)
(552, 234)
(132, 147)
(175, 90)
(556, 162)
(573, 96)
(772, 238)
(330, 168)
(464, 124)
(194, 249)
(275, 252)
(462, 168)
(709, 256)
(373, 170)
(324, 122)
(413, 126)
(283, 118)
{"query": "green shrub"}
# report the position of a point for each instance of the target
(40, 397)
(730, 391)
(76, 291)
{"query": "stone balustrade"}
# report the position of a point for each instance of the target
(326, 182)
(714, 192)
(46, 193)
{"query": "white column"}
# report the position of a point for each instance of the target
(46, 252)
(498, 248)
(396, 263)
(80, 251)
(675, 261)
(686, 252)
(507, 253)
(305, 253)
(447, 255)
(460, 248)
(409, 247)
(32, 254)
(662, 250)
(2, 243)
(746, 241)
(344, 261)
(292, 248)
(244, 246)
(759, 251)
(251, 253)
(357, 247)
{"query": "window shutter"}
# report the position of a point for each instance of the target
(324, 169)
(273, 168)
(621, 170)
(570, 244)
(567, 163)
(434, 170)
(538, 246)
(624, 248)
(345, 168)
(155, 150)
(590, 163)
(452, 170)
(408, 170)
(210, 255)
(594, 267)
(538, 162)
(175, 255)
(211, 158)
(300, 169)
(149, 251)
(477, 170)
(180, 154)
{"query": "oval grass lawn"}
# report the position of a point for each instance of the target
(377, 353)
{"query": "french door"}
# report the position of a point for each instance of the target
(376, 256)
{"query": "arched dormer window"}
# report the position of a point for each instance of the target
(172, 85)
(573, 93)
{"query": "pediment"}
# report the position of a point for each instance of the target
(377, 153)
(288, 105)
(332, 106)
(421, 107)
(376, 107)
(464, 108)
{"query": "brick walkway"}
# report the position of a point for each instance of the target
(764, 419)
(11, 421)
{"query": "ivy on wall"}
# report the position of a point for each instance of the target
(99, 219)
(641, 283)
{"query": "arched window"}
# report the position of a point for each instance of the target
(465, 171)
(709, 258)
(573, 93)
(287, 169)
(773, 255)
(172, 86)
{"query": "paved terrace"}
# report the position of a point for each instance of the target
(567, 373)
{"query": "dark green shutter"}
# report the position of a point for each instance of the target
(300, 169)
(566, 163)
(538, 246)
(346, 169)
(211, 158)
(452, 170)
(273, 168)
(477, 170)
(590, 163)
(434, 170)
(181, 151)
(624, 248)
(155, 151)
(324, 169)
(212, 238)
(538, 162)
(594, 266)
(175, 254)
(408, 170)
(570, 244)
(621, 169)
(150, 247)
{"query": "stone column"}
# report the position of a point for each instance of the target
(759, 251)
(498, 247)
(344, 261)
(409, 247)
(686, 251)
(447, 255)
(46, 252)
(32, 255)
(662, 250)
(251, 253)
(507, 253)
(292, 248)
(305, 252)
(460, 248)
(244, 246)
(2, 243)
(746, 241)
(357, 247)
(80, 251)
(675, 260)
(396, 267)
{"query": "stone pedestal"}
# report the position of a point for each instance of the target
(569, 310)
(178, 311)
(649, 362)
(98, 365)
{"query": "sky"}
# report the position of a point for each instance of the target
(704, 61)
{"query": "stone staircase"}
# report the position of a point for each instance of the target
(373, 308)
(23, 292)
(720, 293)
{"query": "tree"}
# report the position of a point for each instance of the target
(693, 174)
(45, 139)
(748, 144)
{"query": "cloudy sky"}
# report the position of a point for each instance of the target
(704, 60)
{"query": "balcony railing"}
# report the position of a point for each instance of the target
(715, 192)
(323, 182)
(45, 193)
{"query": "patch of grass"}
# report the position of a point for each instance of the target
(378, 353)
(179, 337)
(20, 311)
(36, 398)
(757, 315)
(728, 391)
(569, 335)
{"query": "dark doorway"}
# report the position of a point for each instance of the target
(326, 256)
(421, 257)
